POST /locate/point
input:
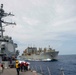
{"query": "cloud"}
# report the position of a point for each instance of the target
(42, 22)
(30, 21)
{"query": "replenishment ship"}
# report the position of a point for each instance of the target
(32, 54)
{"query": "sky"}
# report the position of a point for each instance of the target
(40, 23)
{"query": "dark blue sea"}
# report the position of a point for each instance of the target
(67, 62)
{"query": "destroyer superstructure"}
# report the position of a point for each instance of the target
(7, 46)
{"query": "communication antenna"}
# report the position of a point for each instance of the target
(2, 15)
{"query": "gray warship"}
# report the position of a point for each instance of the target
(7, 46)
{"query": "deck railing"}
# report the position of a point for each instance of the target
(39, 69)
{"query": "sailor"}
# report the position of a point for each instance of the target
(21, 66)
(17, 67)
(0, 67)
(25, 66)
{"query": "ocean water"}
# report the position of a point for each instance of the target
(67, 62)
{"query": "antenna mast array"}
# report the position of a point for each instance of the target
(4, 14)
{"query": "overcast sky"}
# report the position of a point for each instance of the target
(42, 23)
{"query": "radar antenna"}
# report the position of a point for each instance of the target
(4, 14)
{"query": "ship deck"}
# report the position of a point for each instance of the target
(12, 71)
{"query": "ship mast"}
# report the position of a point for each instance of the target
(2, 15)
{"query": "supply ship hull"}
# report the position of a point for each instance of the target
(32, 54)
